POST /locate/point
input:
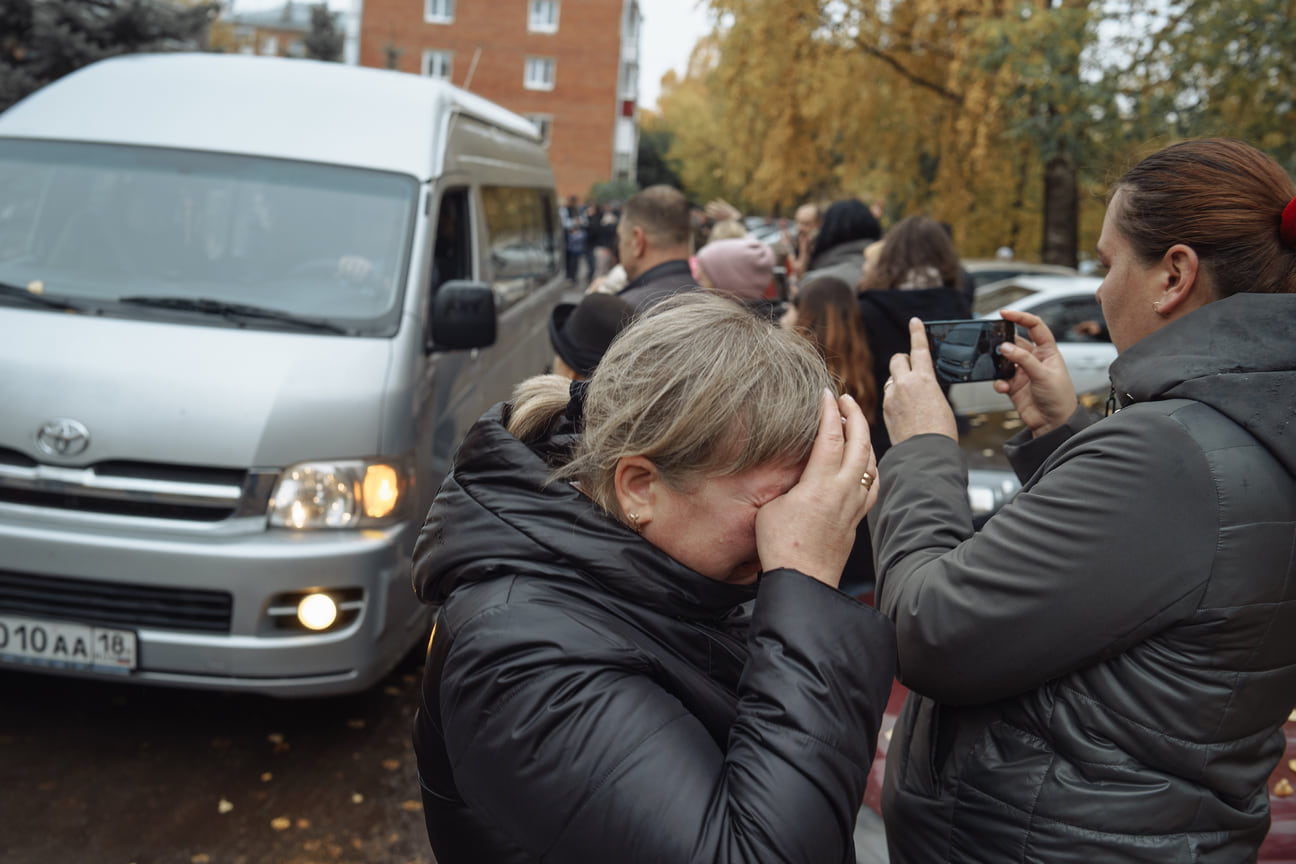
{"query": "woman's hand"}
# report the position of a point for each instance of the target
(912, 400)
(1041, 389)
(812, 527)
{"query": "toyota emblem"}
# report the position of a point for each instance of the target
(63, 437)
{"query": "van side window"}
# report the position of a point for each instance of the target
(523, 254)
(450, 256)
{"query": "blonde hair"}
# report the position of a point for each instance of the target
(727, 229)
(698, 385)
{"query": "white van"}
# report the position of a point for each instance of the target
(248, 307)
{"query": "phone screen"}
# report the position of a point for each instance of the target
(969, 350)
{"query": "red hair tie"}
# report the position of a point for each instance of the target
(1288, 229)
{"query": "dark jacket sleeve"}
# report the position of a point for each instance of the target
(1113, 541)
(1027, 454)
(569, 745)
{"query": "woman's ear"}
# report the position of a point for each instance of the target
(635, 482)
(1184, 287)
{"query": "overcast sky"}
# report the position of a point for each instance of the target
(670, 30)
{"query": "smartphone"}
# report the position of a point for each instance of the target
(969, 350)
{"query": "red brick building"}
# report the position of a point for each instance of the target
(570, 65)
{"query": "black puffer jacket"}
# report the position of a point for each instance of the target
(1104, 668)
(586, 698)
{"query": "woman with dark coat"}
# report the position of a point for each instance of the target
(640, 654)
(1103, 671)
(916, 276)
(848, 228)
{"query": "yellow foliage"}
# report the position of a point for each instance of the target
(915, 103)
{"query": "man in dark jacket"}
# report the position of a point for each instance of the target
(653, 243)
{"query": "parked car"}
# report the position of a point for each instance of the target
(250, 306)
(986, 270)
(1068, 305)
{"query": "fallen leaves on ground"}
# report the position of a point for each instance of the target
(1283, 788)
(281, 823)
(411, 806)
(224, 806)
(391, 764)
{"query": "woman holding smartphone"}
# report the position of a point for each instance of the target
(1102, 672)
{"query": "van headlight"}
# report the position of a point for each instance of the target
(341, 494)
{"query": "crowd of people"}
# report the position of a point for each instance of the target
(651, 645)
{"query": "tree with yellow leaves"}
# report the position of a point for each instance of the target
(1002, 118)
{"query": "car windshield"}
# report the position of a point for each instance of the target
(963, 336)
(92, 224)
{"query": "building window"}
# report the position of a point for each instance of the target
(438, 64)
(630, 81)
(544, 125)
(543, 17)
(540, 73)
(270, 45)
(439, 11)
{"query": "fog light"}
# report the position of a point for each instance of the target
(317, 611)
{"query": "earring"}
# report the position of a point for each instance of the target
(634, 522)
(1156, 307)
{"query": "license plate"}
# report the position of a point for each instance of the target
(59, 643)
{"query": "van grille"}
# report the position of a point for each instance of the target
(124, 488)
(114, 604)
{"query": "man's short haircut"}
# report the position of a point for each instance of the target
(663, 214)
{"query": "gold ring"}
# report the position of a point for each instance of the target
(867, 480)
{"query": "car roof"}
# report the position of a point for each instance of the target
(1013, 264)
(261, 106)
(1048, 283)
(1038, 288)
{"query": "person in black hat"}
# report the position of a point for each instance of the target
(581, 332)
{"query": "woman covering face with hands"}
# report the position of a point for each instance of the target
(1102, 672)
(641, 654)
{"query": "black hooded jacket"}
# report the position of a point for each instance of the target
(587, 698)
(1102, 672)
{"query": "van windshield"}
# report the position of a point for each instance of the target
(92, 224)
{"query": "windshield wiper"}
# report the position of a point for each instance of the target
(20, 292)
(234, 311)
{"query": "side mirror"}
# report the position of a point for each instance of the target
(463, 316)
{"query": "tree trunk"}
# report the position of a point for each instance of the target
(1061, 213)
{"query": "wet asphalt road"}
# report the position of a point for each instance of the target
(103, 773)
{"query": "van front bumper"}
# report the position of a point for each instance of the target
(47, 572)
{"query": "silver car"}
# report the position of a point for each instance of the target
(249, 307)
